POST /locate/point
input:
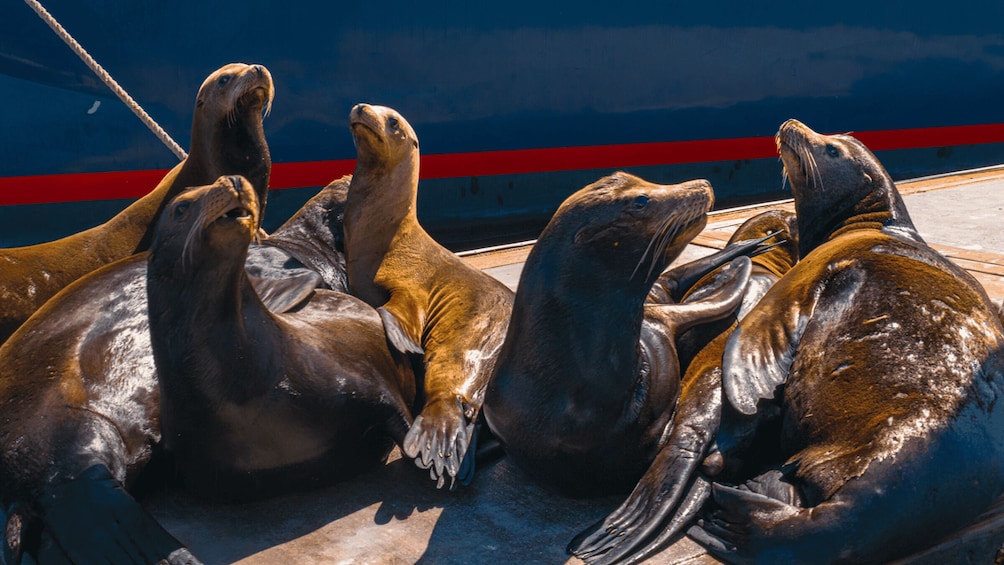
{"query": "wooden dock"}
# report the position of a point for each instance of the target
(394, 515)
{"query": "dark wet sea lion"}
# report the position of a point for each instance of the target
(755, 237)
(587, 376)
(431, 301)
(254, 402)
(776, 228)
(670, 493)
(311, 241)
(80, 401)
(227, 138)
(315, 234)
(881, 363)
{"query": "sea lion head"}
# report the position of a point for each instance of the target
(783, 253)
(228, 136)
(382, 136)
(629, 227)
(211, 224)
(838, 184)
(236, 90)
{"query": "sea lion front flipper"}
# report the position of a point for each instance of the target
(396, 333)
(724, 295)
(91, 519)
(439, 441)
(283, 294)
(760, 351)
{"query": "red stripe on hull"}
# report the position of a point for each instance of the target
(47, 189)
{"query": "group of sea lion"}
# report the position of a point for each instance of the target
(822, 390)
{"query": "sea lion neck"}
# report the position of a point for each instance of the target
(388, 191)
(241, 327)
(607, 361)
(225, 148)
(380, 205)
(882, 208)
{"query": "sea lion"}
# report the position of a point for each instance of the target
(776, 228)
(315, 235)
(879, 363)
(432, 303)
(80, 398)
(310, 241)
(227, 138)
(669, 495)
(756, 236)
(587, 377)
(253, 402)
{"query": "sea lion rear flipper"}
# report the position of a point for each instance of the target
(678, 280)
(724, 296)
(671, 492)
(396, 334)
(283, 294)
(742, 516)
(92, 519)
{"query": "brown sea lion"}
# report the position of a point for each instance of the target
(227, 138)
(879, 364)
(669, 495)
(80, 399)
(432, 303)
(588, 375)
(254, 402)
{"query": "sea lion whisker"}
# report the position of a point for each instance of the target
(193, 233)
(809, 168)
(668, 221)
(668, 236)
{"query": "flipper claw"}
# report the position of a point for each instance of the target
(440, 440)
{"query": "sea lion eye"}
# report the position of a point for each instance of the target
(393, 123)
(640, 202)
(832, 150)
(223, 80)
(181, 209)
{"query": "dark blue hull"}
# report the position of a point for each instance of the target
(482, 78)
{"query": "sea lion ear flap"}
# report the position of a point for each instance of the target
(591, 233)
(868, 179)
(283, 294)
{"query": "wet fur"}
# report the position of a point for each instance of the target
(587, 370)
(31, 275)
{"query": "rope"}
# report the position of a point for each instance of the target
(107, 79)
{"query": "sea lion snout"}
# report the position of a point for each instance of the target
(361, 113)
(237, 182)
(792, 134)
(704, 187)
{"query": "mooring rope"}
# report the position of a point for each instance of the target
(107, 79)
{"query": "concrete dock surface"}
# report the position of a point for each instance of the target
(395, 515)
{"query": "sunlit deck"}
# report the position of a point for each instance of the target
(394, 515)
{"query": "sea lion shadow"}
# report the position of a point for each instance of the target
(342, 519)
(505, 515)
